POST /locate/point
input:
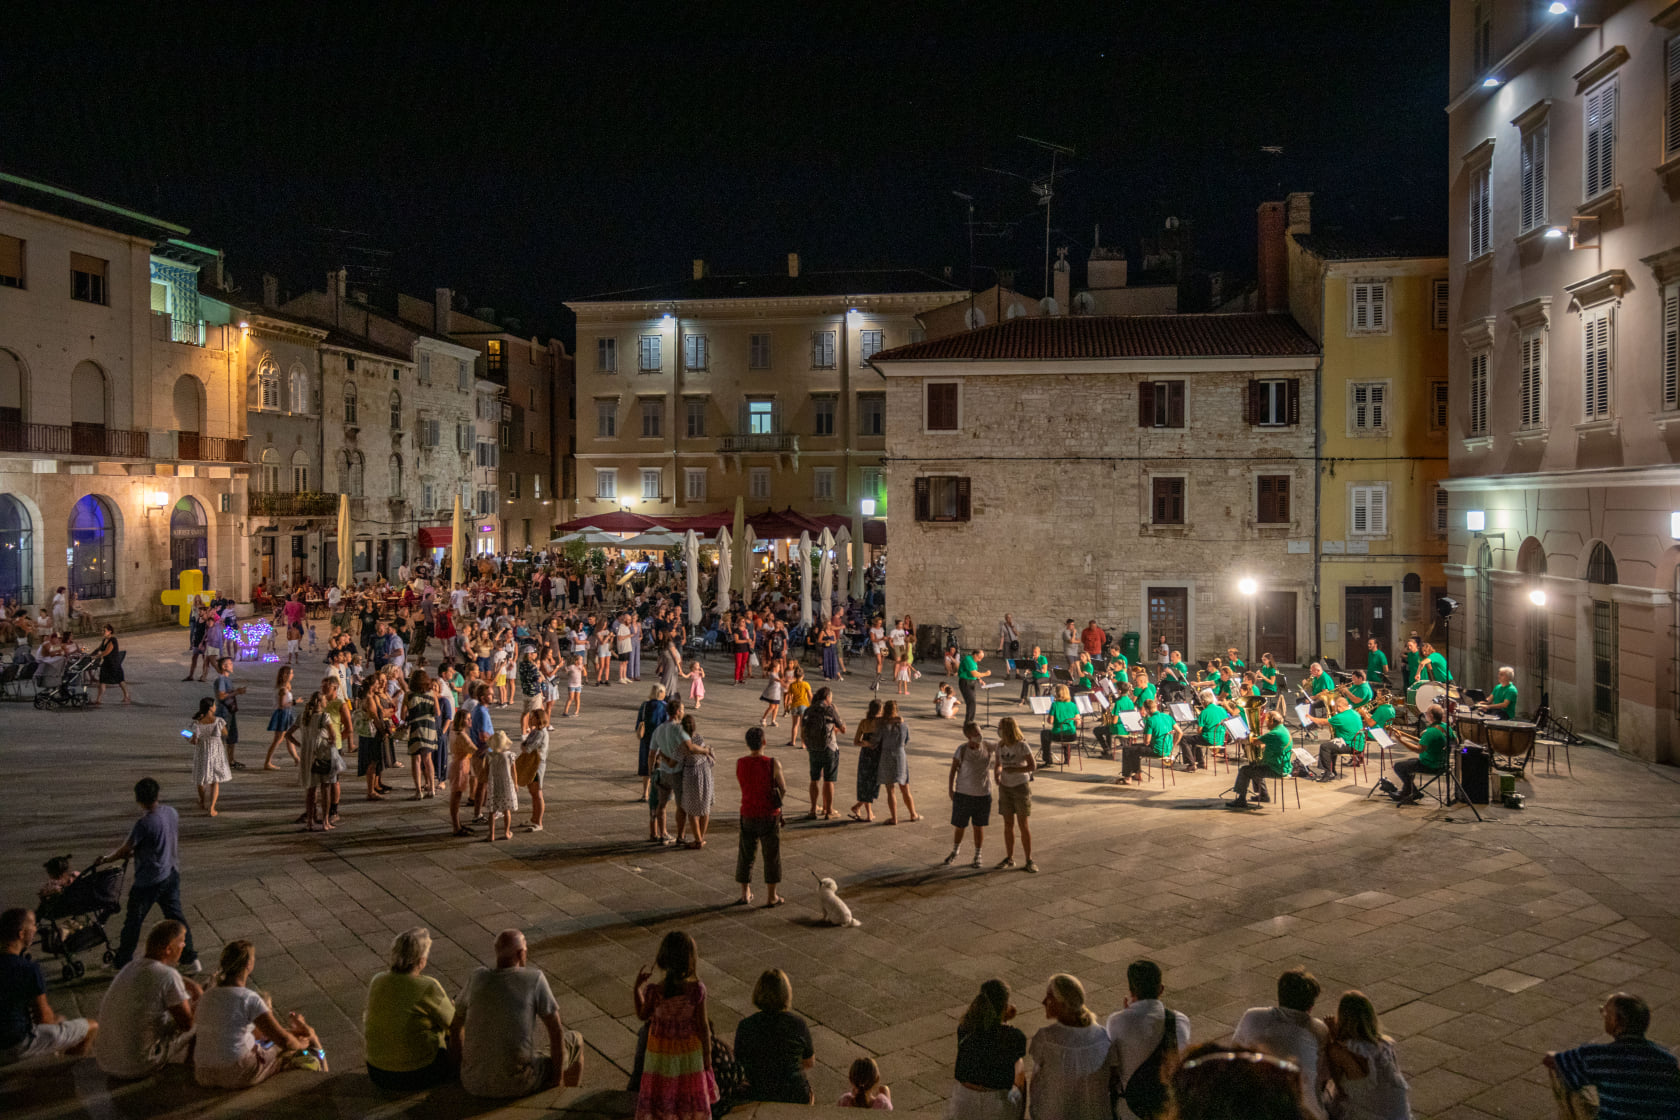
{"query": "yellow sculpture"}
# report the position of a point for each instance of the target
(192, 589)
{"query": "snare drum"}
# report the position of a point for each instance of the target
(1472, 728)
(1424, 694)
(1510, 737)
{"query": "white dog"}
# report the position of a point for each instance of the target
(835, 912)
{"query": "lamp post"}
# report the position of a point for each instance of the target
(1249, 589)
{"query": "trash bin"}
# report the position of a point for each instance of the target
(1129, 646)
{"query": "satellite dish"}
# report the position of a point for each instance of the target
(1049, 306)
(1084, 304)
(1015, 311)
(974, 317)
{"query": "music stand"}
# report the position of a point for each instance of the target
(986, 687)
(1455, 788)
(1060, 675)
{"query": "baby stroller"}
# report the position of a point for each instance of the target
(73, 920)
(71, 689)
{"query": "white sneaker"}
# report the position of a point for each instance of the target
(531, 827)
(952, 858)
(976, 862)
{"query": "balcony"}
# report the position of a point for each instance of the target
(276, 503)
(208, 449)
(73, 439)
(762, 443)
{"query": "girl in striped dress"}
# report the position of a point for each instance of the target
(677, 1081)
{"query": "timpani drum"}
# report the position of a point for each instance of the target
(1513, 738)
(1425, 694)
(1472, 728)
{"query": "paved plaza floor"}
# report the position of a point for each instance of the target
(1482, 944)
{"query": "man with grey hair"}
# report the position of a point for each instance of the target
(148, 1010)
(406, 1020)
(494, 1028)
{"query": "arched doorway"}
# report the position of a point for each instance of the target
(189, 541)
(1606, 639)
(1531, 562)
(17, 551)
(87, 409)
(93, 549)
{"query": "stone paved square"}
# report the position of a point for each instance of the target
(1483, 944)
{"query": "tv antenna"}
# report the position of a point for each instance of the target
(1044, 187)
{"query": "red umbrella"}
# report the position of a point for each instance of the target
(617, 521)
(706, 524)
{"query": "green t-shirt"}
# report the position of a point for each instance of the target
(1437, 670)
(1212, 721)
(1064, 717)
(1348, 727)
(1376, 663)
(406, 1020)
(1413, 660)
(1223, 688)
(1321, 683)
(1176, 671)
(1235, 665)
(1275, 750)
(1269, 674)
(1087, 684)
(1435, 743)
(967, 669)
(1382, 715)
(1361, 694)
(1159, 728)
(1125, 704)
(1146, 693)
(1041, 667)
(1506, 692)
(1120, 665)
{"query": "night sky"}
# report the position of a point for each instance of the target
(526, 154)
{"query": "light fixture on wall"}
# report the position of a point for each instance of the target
(867, 507)
(1537, 597)
(1247, 586)
(1491, 82)
(156, 501)
(1475, 520)
(1674, 526)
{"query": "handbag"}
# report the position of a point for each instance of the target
(525, 768)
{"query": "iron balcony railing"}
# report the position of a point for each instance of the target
(73, 439)
(275, 503)
(758, 442)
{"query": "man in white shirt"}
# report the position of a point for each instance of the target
(146, 1017)
(1140, 1027)
(495, 1027)
(621, 647)
(1290, 1031)
(970, 785)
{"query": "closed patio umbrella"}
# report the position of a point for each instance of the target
(805, 579)
(691, 557)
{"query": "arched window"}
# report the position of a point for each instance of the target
(396, 411)
(270, 473)
(189, 540)
(300, 389)
(1531, 562)
(93, 549)
(17, 551)
(11, 397)
(268, 385)
(300, 471)
(396, 476)
(1601, 567)
(1412, 583)
(350, 473)
(1531, 558)
(87, 409)
(349, 402)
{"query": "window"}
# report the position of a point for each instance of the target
(463, 373)
(1273, 507)
(513, 486)
(349, 402)
(648, 360)
(486, 503)
(822, 416)
(1481, 37)
(606, 419)
(1367, 407)
(431, 432)
(463, 436)
(822, 484)
(1671, 101)
(1671, 337)
(694, 484)
(651, 477)
(428, 496)
(918, 334)
(11, 261)
(493, 364)
(606, 483)
(872, 414)
(761, 418)
(758, 352)
(350, 363)
(268, 383)
(1479, 393)
(423, 371)
(1533, 202)
(1368, 307)
(1440, 405)
(87, 278)
(270, 470)
(1597, 364)
(869, 344)
(1531, 386)
(396, 411)
(872, 483)
(943, 497)
(694, 411)
(1274, 401)
(488, 454)
(944, 406)
(350, 473)
(536, 486)
(1599, 159)
(694, 351)
(504, 433)
(1438, 293)
(300, 471)
(395, 481)
(606, 355)
(1161, 404)
(822, 350)
(1439, 510)
(1369, 517)
(1168, 504)
(653, 419)
(300, 390)
(530, 441)
(758, 483)
(1481, 211)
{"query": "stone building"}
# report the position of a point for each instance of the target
(1565, 362)
(122, 420)
(694, 393)
(1107, 467)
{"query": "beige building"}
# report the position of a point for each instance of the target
(122, 420)
(1112, 467)
(694, 393)
(1564, 353)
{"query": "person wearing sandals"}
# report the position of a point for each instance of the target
(283, 720)
(210, 765)
(821, 727)
(892, 736)
(696, 795)
(762, 789)
(648, 718)
(534, 728)
(667, 746)
(318, 761)
(420, 719)
(868, 765)
(461, 754)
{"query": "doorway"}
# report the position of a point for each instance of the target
(189, 540)
(1169, 618)
(1369, 613)
(1606, 642)
(1274, 626)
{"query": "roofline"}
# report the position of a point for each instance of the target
(1019, 367)
(579, 307)
(98, 204)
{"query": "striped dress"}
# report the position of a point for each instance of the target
(677, 1081)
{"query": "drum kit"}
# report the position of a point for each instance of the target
(1510, 742)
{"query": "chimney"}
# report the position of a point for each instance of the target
(442, 300)
(701, 271)
(1273, 259)
(1060, 277)
(793, 265)
(1299, 206)
(271, 290)
(338, 283)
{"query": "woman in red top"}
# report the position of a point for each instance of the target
(762, 790)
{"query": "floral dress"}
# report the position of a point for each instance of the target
(504, 793)
(210, 762)
(677, 1081)
(696, 795)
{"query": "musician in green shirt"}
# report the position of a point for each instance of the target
(1360, 691)
(1176, 670)
(1064, 726)
(1383, 714)
(1145, 690)
(1503, 702)
(1434, 751)
(1161, 736)
(1434, 667)
(1414, 660)
(1276, 758)
(1376, 662)
(1035, 682)
(1212, 722)
(1348, 729)
(1232, 661)
(1268, 675)
(1226, 688)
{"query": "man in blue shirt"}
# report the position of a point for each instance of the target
(1636, 1079)
(152, 843)
(29, 1028)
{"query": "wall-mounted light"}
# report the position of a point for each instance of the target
(1475, 520)
(1555, 233)
(1674, 526)
(1491, 82)
(1247, 586)
(1537, 597)
(156, 501)
(1558, 8)
(867, 506)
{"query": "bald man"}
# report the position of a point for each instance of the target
(495, 1028)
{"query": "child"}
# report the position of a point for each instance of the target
(945, 702)
(901, 674)
(970, 786)
(574, 686)
(311, 637)
(798, 698)
(677, 1079)
(772, 695)
(59, 876)
(503, 797)
(696, 678)
(603, 656)
(294, 637)
(867, 1090)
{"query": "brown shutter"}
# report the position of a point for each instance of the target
(1146, 404)
(1256, 398)
(1294, 403)
(1175, 404)
(923, 500)
(1280, 494)
(964, 499)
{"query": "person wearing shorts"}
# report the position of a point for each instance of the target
(970, 786)
(29, 1028)
(1014, 792)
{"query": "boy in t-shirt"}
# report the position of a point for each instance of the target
(969, 783)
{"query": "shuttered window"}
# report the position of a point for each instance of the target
(1481, 212)
(1369, 513)
(606, 355)
(1368, 307)
(869, 344)
(1273, 507)
(87, 278)
(1599, 158)
(1168, 501)
(1438, 293)
(1438, 512)
(694, 352)
(943, 497)
(1597, 364)
(606, 482)
(822, 350)
(11, 261)
(944, 406)
(1532, 384)
(1671, 344)
(606, 419)
(1533, 202)
(1274, 401)
(1368, 406)
(648, 353)
(758, 356)
(1479, 393)
(1671, 101)
(1440, 405)
(1161, 404)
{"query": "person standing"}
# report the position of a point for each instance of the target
(969, 676)
(892, 737)
(1009, 638)
(1014, 794)
(1376, 662)
(210, 767)
(667, 746)
(227, 706)
(969, 783)
(152, 843)
(763, 787)
(821, 728)
(1070, 645)
(111, 668)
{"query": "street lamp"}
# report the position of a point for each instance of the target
(867, 506)
(1249, 587)
(1537, 597)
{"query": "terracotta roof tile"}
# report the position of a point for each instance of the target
(1116, 336)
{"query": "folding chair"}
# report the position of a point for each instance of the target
(1278, 782)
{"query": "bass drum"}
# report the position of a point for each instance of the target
(1510, 737)
(1426, 693)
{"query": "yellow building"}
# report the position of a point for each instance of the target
(693, 393)
(1378, 308)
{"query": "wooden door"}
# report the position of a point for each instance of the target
(1369, 613)
(1169, 618)
(1274, 626)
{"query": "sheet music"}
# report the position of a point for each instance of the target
(1378, 736)
(1083, 703)
(1040, 705)
(1237, 726)
(1131, 721)
(1181, 712)
(1098, 700)
(992, 684)
(1303, 712)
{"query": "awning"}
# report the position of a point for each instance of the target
(613, 521)
(435, 537)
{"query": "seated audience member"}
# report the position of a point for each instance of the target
(1361, 1063)
(495, 1027)
(989, 1077)
(148, 1009)
(1145, 1051)
(1289, 1030)
(406, 1021)
(864, 1087)
(1636, 1079)
(773, 1044)
(230, 1021)
(29, 1029)
(1217, 1083)
(945, 702)
(1071, 1063)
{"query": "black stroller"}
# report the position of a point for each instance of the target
(71, 689)
(73, 920)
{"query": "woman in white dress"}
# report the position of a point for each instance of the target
(504, 792)
(1070, 1061)
(210, 764)
(1362, 1065)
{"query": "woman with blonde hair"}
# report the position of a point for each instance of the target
(231, 1018)
(1014, 794)
(461, 753)
(1071, 1061)
(1064, 723)
(1361, 1061)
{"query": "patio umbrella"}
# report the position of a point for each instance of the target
(596, 537)
(857, 555)
(825, 594)
(723, 571)
(652, 541)
(739, 536)
(749, 564)
(691, 557)
(458, 550)
(344, 543)
(805, 579)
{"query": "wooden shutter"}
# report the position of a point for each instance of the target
(1146, 404)
(965, 499)
(1671, 324)
(1379, 511)
(1256, 402)
(1293, 392)
(1596, 369)
(1379, 307)
(1361, 409)
(11, 260)
(942, 407)
(1671, 142)
(924, 499)
(1601, 139)
(1175, 404)
(1274, 499)
(1533, 201)
(1361, 509)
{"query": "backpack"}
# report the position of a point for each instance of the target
(1146, 1092)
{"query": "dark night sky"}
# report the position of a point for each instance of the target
(525, 154)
